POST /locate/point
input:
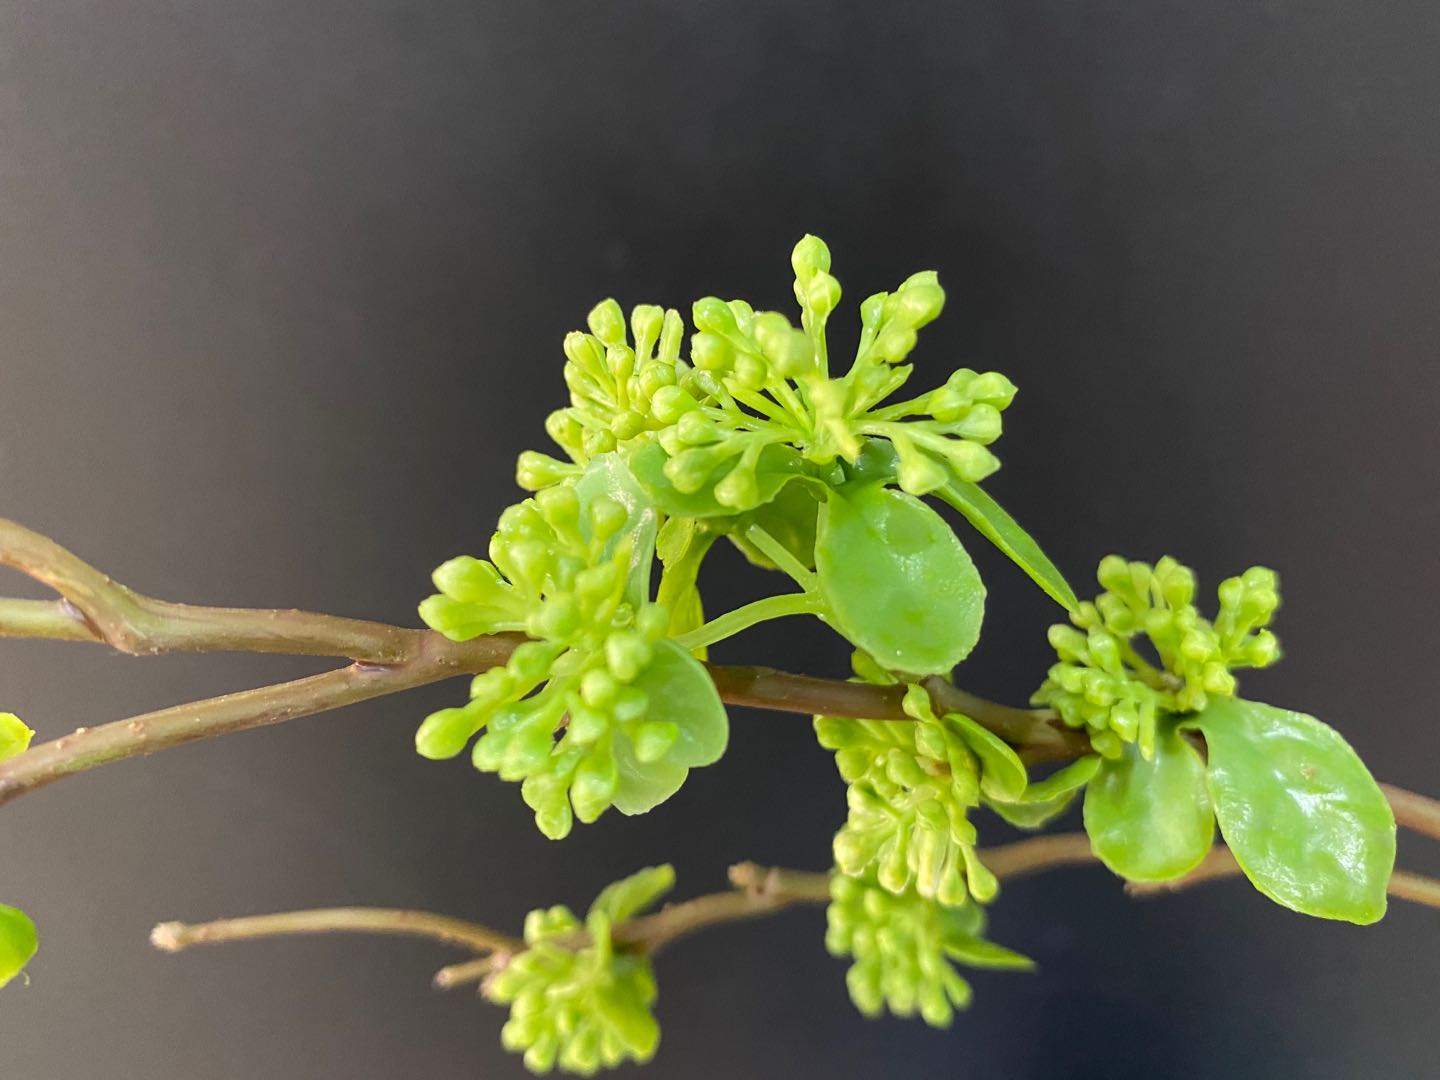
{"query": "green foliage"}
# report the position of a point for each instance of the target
(905, 948)
(1303, 816)
(18, 942)
(896, 581)
(637, 712)
(992, 522)
(745, 432)
(1102, 683)
(15, 736)
(576, 1000)
(1149, 819)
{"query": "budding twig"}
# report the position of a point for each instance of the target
(389, 659)
(756, 891)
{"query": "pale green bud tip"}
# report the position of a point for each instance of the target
(607, 322)
(712, 315)
(646, 322)
(444, 734)
(534, 470)
(920, 303)
(811, 255)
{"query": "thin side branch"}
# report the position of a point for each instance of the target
(388, 659)
(1417, 812)
(96, 608)
(87, 748)
(175, 936)
(756, 891)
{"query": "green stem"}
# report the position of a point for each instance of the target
(742, 618)
(782, 557)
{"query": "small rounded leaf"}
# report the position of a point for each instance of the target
(1151, 820)
(1303, 816)
(897, 581)
(18, 942)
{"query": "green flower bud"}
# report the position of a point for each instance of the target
(811, 256)
(712, 315)
(919, 303)
(646, 321)
(534, 471)
(607, 322)
(444, 734)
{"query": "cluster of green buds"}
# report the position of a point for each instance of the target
(757, 397)
(911, 788)
(904, 949)
(615, 380)
(761, 382)
(560, 571)
(1103, 683)
(576, 999)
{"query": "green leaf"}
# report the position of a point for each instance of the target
(1303, 816)
(997, 526)
(1049, 798)
(680, 692)
(608, 475)
(621, 899)
(1151, 820)
(897, 581)
(1002, 773)
(14, 735)
(18, 942)
(979, 953)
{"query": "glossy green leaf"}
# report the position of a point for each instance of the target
(897, 581)
(15, 736)
(18, 942)
(979, 953)
(679, 692)
(1047, 799)
(610, 476)
(630, 895)
(1303, 816)
(992, 522)
(1151, 820)
(1002, 773)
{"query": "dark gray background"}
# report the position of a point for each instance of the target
(282, 287)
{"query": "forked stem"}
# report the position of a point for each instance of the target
(756, 891)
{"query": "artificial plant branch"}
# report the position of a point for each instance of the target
(88, 747)
(756, 891)
(1221, 864)
(95, 608)
(175, 936)
(1414, 811)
